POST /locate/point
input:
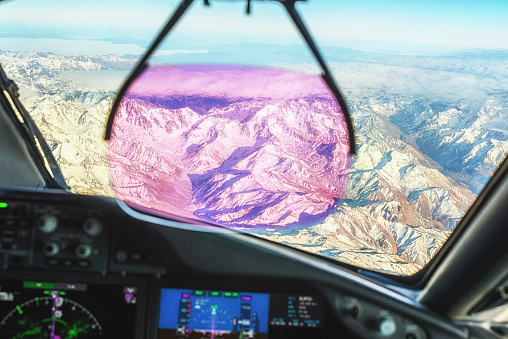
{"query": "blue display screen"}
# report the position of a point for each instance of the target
(219, 313)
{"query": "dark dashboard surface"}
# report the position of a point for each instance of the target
(84, 267)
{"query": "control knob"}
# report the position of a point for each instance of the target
(385, 325)
(47, 223)
(92, 227)
(352, 307)
(83, 251)
(51, 248)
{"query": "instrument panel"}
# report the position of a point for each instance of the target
(82, 267)
(38, 306)
(74, 268)
(43, 234)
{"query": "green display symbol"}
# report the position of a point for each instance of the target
(29, 333)
(50, 317)
(76, 330)
(20, 311)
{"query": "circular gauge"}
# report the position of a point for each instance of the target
(52, 317)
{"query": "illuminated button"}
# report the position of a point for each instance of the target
(38, 284)
(4, 208)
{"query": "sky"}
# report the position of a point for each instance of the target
(368, 25)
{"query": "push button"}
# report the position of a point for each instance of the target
(121, 256)
(8, 233)
(83, 263)
(52, 262)
(23, 233)
(4, 208)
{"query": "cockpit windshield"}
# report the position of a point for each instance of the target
(232, 124)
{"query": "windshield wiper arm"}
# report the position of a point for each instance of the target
(327, 76)
(293, 13)
(39, 149)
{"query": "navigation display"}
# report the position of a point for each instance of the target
(34, 309)
(190, 313)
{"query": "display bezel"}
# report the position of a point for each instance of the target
(248, 285)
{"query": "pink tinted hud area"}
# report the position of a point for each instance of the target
(243, 147)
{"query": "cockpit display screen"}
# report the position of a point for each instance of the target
(63, 309)
(212, 314)
(191, 313)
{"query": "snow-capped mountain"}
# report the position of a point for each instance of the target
(262, 161)
(70, 110)
(399, 208)
(467, 141)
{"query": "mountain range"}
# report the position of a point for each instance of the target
(426, 147)
(267, 155)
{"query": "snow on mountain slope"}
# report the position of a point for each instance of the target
(76, 138)
(423, 153)
(398, 209)
(464, 140)
(251, 163)
(69, 113)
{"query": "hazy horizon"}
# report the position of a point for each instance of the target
(391, 27)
